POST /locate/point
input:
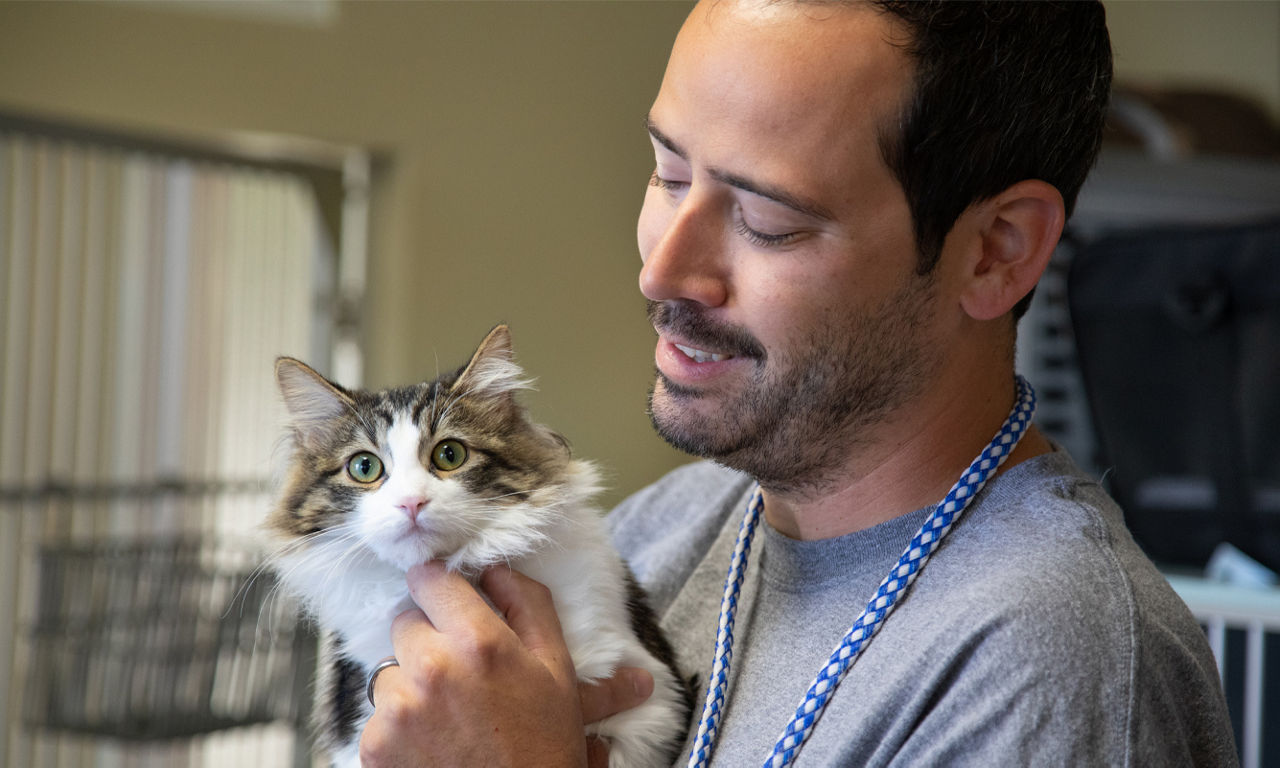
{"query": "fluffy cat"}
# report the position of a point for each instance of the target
(453, 470)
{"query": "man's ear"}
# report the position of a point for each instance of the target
(1017, 232)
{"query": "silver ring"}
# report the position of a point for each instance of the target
(390, 661)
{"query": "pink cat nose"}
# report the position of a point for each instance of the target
(410, 505)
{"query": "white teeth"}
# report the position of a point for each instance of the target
(701, 357)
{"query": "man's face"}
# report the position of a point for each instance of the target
(778, 250)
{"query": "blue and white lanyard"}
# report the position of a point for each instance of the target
(895, 584)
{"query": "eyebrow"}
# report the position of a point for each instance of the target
(769, 191)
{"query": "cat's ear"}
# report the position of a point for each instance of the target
(315, 404)
(492, 370)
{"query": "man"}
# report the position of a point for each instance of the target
(850, 206)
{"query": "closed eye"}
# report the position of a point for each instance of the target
(668, 185)
(763, 239)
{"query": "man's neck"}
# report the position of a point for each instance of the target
(914, 461)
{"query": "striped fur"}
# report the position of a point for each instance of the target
(519, 497)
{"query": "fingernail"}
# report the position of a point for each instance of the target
(641, 683)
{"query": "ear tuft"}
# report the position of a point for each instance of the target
(493, 370)
(314, 403)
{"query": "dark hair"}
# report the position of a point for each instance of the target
(1002, 92)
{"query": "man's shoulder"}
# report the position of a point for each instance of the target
(1047, 514)
(698, 477)
(1053, 563)
(1042, 563)
(1045, 534)
(664, 529)
(1048, 597)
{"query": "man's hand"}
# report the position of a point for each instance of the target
(472, 689)
(629, 687)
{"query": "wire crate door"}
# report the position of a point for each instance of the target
(145, 291)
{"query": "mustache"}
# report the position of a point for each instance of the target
(686, 320)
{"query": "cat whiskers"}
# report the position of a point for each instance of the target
(451, 400)
(349, 543)
(363, 419)
(454, 397)
(354, 547)
(503, 496)
(264, 568)
(346, 537)
(270, 600)
(437, 416)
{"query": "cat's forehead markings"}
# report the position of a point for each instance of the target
(402, 399)
(426, 397)
(403, 438)
(384, 417)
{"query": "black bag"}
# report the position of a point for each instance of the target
(1178, 338)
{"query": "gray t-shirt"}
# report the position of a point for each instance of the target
(1037, 635)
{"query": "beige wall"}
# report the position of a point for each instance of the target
(516, 155)
(516, 163)
(1229, 44)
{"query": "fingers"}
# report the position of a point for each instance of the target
(507, 686)
(451, 606)
(629, 687)
(446, 597)
(412, 638)
(464, 671)
(597, 752)
(531, 614)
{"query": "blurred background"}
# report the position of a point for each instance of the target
(191, 188)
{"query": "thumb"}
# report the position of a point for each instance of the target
(629, 687)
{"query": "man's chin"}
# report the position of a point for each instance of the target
(666, 389)
(681, 438)
(689, 420)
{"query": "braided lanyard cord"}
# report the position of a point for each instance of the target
(700, 755)
(894, 585)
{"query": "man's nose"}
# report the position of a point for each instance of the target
(685, 258)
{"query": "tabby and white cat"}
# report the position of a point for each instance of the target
(453, 470)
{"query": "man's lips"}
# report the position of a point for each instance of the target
(697, 337)
(684, 365)
(700, 355)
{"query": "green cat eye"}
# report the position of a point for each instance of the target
(448, 455)
(364, 467)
